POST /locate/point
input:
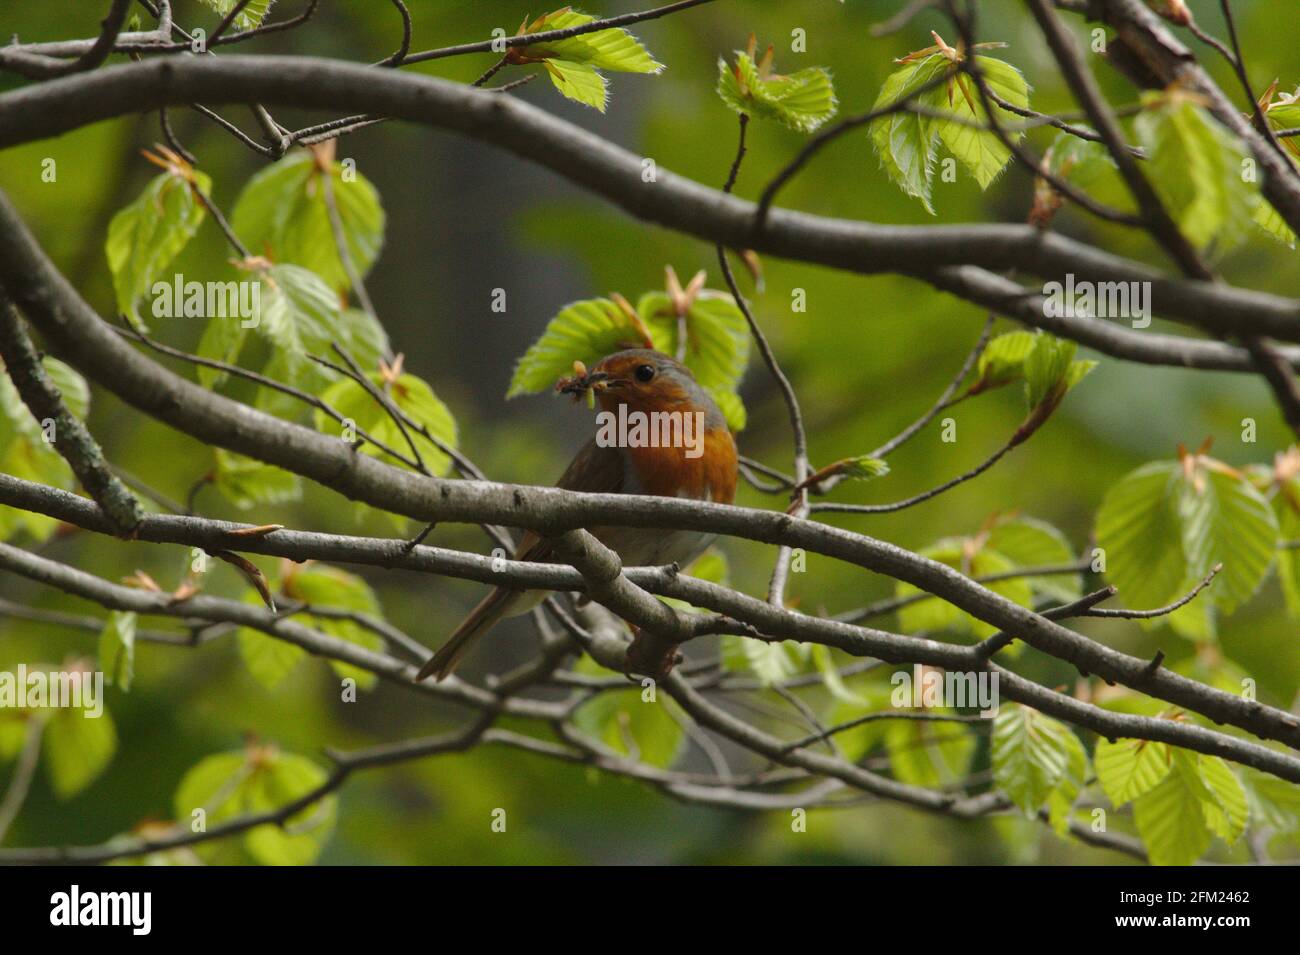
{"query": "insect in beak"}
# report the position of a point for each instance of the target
(584, 384)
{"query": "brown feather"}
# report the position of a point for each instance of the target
(593, 469)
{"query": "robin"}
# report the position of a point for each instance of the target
(660, 434)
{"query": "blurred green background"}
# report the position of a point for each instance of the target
(868, 355)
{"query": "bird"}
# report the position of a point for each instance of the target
(700, 466)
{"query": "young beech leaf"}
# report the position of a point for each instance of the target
(1200, 797)
(1003, 361)
(769, 661)
(1196, 168)
(1165, 525)
(801, 101)
(1128, 768)
(1046, 366)
(322, 586)
(147, 235)
(632, 726)
(249, 18)
(583, 331)
(1031, 755)
(930, 754)
(904, 140)
(580, 82)
(77, 749)
(974, 558)
(717, 343)
(248, 483)
(717, 336)
(24, 452)
(1028, 542)
(282, 213)
(613, 49)
(117, 649)
(411, 395)
(979, 150)
(1170, 819)
(258, 780)
(574, 64)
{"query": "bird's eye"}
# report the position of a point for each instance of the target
(644, 373)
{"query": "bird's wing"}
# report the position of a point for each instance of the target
(595, 469)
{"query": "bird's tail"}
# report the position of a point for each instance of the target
(480, 620)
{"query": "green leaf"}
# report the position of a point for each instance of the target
(768, 661)
(299, 313)
(259, 780)
(865, 468)
(1225, 520)
(717, 336)
(299, 316)
(1028, 542)
(248, 483)
(117, 649)
(580, 82)
(71, 386)
(147, 235)
(1286, 506)
(717, 347)
(1196, 167)
(933, 615)
(1273, 802)
(1227, 811)
(78, 748)
(14, 724)
(222, 340)
(928, 753)
(1083, 162)
(717, 343)
(1171, 821)
(1047, 367)
(1003, 360)
(1128, 768)
(1060, 802)
(979, 150)
(732, 408)
(24, 452)
(249, 18)
(1271, 221)
(282, 213)
(1031, 754)
(904, 140)
(711, 566)
(411, 395)
(304, 835)
(584, 331)
(633, 726)
(1139, 529)
(37, 462)
(802, 101)
(614, 49)
(268, 660)
(1280, 116)
(825, 661)
(322, 586)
